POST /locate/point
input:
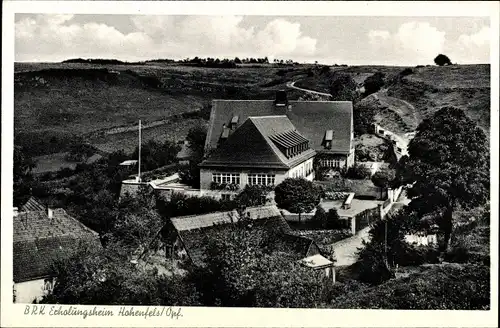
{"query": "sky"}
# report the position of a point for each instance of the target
(327, 39)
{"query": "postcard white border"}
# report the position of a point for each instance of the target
(12, 314)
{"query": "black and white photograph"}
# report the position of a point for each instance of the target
(164, 161)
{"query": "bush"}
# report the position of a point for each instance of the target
(344, 88)
(450, 287)
(372, 265)
(320, 218)
(363, 117)
(358, 172)
(406, 71)
(373, 83)
(334, 221)
(442, 60)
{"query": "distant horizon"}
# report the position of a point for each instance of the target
(230, 58)
(353, 41)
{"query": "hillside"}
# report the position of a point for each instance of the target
(59, 104)
(56, 104)
(407, 99)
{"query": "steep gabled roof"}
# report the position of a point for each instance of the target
(311, 118)
(256, 144)
(194, 229)
(39, 240)
(32, 205)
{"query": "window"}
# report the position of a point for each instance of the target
(261, 179)
(226, 197)
(233, 178)
(331, 163)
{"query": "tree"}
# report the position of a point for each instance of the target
(358, 172)
(344, 88)
(383, 179)
(155, 154)
(92, 275)
(320, 218)
(442, 60)
(364, 117)
(137, 222)
(196, 137)
(297, 195)
(253, 195)
(244, 267)
(23, 177)
(448, 165)
(373, 83)
(333, 219)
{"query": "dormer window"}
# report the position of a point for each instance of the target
(281, 99)
(224, 134)
(234, 122)
(327, 140)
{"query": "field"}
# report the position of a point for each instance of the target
(59, 104)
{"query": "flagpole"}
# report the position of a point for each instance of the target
(139, 159)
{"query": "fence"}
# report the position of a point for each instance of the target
(364, 219)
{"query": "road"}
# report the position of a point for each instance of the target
(346, 250)
(292, 85)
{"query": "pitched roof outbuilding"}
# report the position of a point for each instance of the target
(39, 240)
(193, 231)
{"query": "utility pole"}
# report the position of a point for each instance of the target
(385, 244)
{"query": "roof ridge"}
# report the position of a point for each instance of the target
(271, 144)
(195, 215)
(266, 116)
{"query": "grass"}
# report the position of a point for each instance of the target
(405, 102)
(51, 163)
(67, 100)
(54, 108)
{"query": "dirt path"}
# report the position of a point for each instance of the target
(292, 85)
(346, 250)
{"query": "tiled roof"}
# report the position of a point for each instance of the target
(251, 145)
(311, 118)
(192, 222)
(296, 245)
(195, 240)
(38, 240)
(194, 229)
(316, 261)
(31, 205)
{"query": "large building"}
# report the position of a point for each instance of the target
(42, 236)
(264, 150)
(265, 141)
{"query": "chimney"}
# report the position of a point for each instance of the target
(50, 213)
(15, 212)
(281, 100)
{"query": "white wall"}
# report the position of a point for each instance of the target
(206, 176)
(28, 291)
(300, 170)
